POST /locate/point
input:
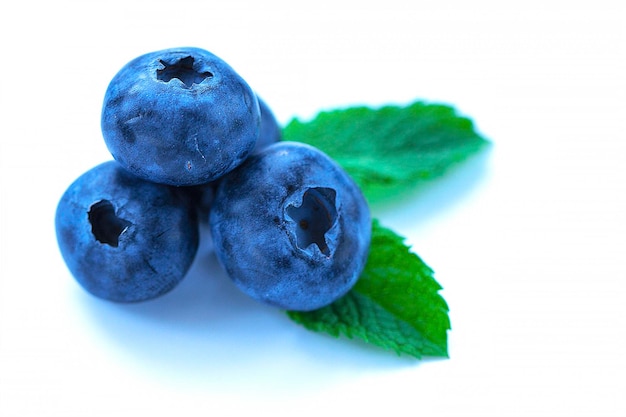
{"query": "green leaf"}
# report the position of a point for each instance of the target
(390, 149)
(395, 304)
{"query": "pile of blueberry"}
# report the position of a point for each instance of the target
(191, 142)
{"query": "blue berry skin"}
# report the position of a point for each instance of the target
(290, 227)
(270, 130)
(179, 117)
(125, 239)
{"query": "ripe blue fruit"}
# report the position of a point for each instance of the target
(290, 227)
(125, 239)
(179, 116)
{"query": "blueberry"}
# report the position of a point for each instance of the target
(290, 227)
(270, 130)
(180, 117)
(125, 239)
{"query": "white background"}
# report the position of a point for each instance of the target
(528, 239)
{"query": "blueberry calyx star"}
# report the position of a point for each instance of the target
(183, 70)
(314, 217)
